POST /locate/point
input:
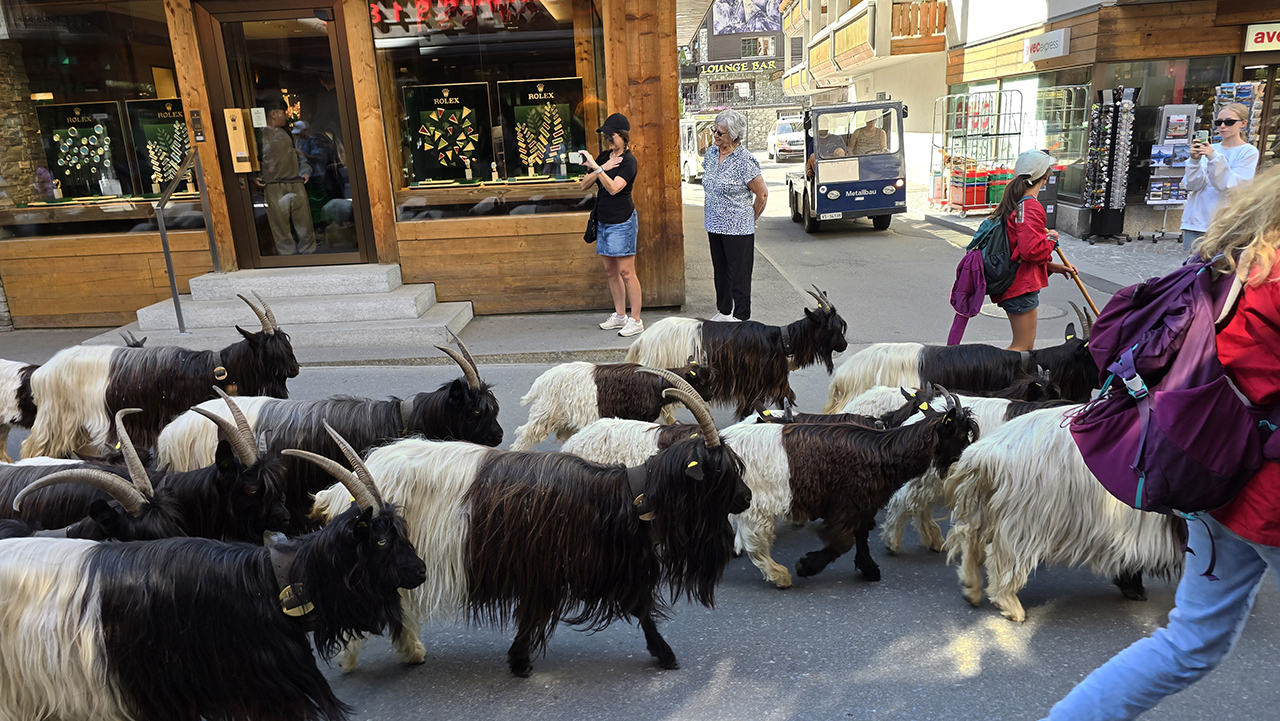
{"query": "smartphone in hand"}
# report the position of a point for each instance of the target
(1202, 136)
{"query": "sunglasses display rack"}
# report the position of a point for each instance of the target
(1107, 171)
(1250, 95)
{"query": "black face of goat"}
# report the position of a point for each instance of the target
(262, 364)
(254, 496)
(474, 413)
(830, 332)
(957, 429)
(701, 377)
(109, 521)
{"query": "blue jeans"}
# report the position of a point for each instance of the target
(1203, 627)
(1189, 238)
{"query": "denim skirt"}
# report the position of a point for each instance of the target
(619, 239)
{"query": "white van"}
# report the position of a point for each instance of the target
(786, 140)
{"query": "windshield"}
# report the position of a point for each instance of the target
(862, 132)
(784, 128)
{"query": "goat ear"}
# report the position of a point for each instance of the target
(1071, 331)
(225, 459)
(808, 313)
(694, 470)
(360, 531)
(458, 392)
(251, 337)
(104, 515)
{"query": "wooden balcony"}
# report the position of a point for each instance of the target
(794, 14)
(919, 27)
(797, 81)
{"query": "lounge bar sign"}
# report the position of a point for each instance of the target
(742, 66)
(1049, 45)
(1265, 36)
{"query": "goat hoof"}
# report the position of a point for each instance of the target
(1134, 594)
(415, 655)
(871, 574)
(669, 663)
(523, 669)
(807, 567)
(348, 663)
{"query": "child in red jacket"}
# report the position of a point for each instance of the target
(1030, 244)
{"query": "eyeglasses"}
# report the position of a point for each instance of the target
(719, 133)
(1225, 121)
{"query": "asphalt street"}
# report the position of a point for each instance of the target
(833, 646)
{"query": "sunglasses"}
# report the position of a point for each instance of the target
(719, 133)
(1225, 121)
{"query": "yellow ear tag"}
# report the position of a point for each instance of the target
(1071, 337)
(768, 413)
(693, 435)
(117, 445)
(692, 464)
(924, 406)
(693, 373)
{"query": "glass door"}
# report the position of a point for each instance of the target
(291, 156)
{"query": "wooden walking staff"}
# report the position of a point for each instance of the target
(1079, 283)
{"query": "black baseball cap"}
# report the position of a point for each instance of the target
(614, 123)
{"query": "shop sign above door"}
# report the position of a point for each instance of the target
(1265, 36)
(743, 66)
(1049, 45)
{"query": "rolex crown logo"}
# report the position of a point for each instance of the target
(76, 111)
(445, 92)
(540, 86)
(168, 106)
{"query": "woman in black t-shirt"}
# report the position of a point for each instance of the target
(615, 172)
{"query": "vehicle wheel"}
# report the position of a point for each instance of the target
(795, 210)
(771, 154)
(811, 222)
(964, 214)
(881, 222)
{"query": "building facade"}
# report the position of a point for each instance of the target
(437, 136)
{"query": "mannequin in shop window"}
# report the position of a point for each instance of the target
(282, 180)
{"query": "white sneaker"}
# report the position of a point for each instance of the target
(721, 318)
(632, 327)
(615, 321)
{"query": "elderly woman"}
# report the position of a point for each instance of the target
(735, 197)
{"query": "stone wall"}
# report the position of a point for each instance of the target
(764, 109)
(21, 153)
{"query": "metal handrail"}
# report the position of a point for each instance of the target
(193, 158)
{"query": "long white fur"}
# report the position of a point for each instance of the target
(766, 473)
(881, 364)
(1023, 497)
(71, 393)
(668, 343)
(190, 441)
(916, 500)
(427, 480)
(564, 401)
(10, 382)
(52, 659)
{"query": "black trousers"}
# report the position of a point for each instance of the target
(732, 257)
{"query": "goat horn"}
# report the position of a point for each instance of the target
(129, 497)
(271, 317)
(239, 434)
(463, 347)
(1088, 326)
(1084, 323)
(354, 485)
(672, 378)
(710, 434)
(262, 317)
(137, 471)
(473, 378)
(357, 465)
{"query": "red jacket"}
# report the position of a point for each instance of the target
(1249, 347)
(1031, 245)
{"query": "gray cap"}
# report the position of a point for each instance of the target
(1034, 164)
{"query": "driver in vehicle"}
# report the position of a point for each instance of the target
(869, 140)
(830, 145)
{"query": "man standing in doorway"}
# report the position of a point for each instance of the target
(284, 171)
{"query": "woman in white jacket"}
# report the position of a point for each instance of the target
(1213, 169)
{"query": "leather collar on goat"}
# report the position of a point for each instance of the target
(786, 343)
(220, 375)
(293, 597)
(406, 412)
(637, 477)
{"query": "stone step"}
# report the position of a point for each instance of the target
(407, 302)
(298, 282)
(363, 338)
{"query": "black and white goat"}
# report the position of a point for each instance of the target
(464, 409)
(1023, 497)
(842, 473)
(752, 360)
(968, 368)
(543, 538)
(236, 498)
(571, 395)
(193, 628)
(81, 387)
(16, 405)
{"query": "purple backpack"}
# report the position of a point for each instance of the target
(1169, 432)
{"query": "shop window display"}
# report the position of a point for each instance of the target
(496, 102)
(83, 101)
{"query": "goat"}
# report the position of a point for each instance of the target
(464, 409)
(752, 360)
(543, 538)
(1024, 497)
(968, 368)
(81, 387)
(840, 472)
(916, 499)
(234, 499)
(16, 405)
(571, 395)
(185, 629)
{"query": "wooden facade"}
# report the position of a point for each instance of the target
(1122, 33)
(503, 264)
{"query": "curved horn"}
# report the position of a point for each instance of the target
(1084, 323)
(362, 471)
(137, 471)
(129, 497)
(354, 485)
(262, 317)
(1088, 326)
(710, 434)
(239, 434)
(271, 317)
(473, 378)
(463, 347)
(671, 378)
